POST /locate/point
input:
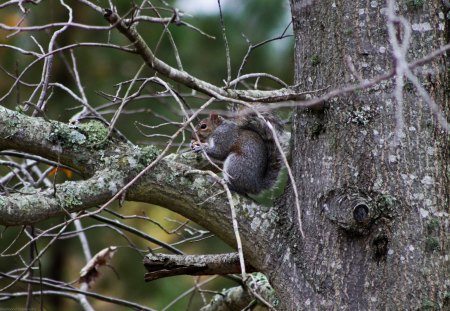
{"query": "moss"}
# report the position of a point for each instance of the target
(148, 154)
(446, 300)
(414, 4)
(408, 86)
(61, 134)
(96, 132)
(433, 225)
(428, 305)
(20, 109)
(431, 244)
(70, 197)
(315, 60)
(316, 129)
(260, 284)
(348, 31)
(386, 204)
(386, 200)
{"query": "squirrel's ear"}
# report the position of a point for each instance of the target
(215, 118)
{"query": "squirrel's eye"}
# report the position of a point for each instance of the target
(203, 126)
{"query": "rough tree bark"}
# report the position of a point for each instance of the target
(375, 216)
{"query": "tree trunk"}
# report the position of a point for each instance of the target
(375, 214)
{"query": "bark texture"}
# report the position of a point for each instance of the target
(375, 216)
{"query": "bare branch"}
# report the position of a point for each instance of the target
(257, 75)
(184, 78)
(227, 48)
(137, 232)
(192, 289)
(66, 288)
(161, 265)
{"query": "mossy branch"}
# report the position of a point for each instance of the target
(32, 205)
(107, 166)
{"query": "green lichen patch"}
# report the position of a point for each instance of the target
(432, 244)
(315, 60)
(113, 180)
(13, 123)
(428, 305)
(386, 201)
(148, 154)
(361, 115)
(61, 134)
(433, 226)
(96, 132)
(260, 284)
(414, 4)
(70, 197)
(134, 158)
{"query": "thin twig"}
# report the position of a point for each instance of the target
(257, 75)
(233, 216)
(174, 301)
(291, 178)
(227, 47)
(66, 288)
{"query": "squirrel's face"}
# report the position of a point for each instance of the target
(206, 127)
(202, 131)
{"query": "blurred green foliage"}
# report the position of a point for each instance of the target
(100, 70)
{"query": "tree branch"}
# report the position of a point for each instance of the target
(113, 164)
(33, 205)
(54, 140)
(192, 82)
(162, 265)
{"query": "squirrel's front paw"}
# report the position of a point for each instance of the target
(198, 146)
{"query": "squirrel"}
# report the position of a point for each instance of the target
(246, 144)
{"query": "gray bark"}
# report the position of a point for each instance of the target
(375, 216)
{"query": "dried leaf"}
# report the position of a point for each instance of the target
(66, 171)
(90, 272)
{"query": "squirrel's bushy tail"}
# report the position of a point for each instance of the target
(249, 119)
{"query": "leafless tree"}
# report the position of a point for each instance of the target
(363, 223)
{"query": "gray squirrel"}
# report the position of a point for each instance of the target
(245, 144)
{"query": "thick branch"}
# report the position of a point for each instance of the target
(53, 140)
(167, 184)
(162, 265)
(32, 205)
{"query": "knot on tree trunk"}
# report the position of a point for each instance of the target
(357, 211)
